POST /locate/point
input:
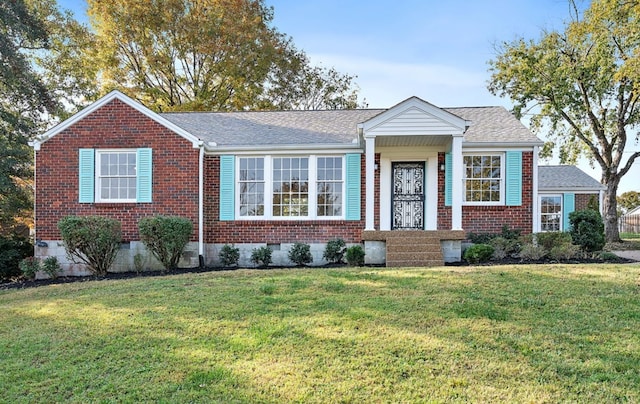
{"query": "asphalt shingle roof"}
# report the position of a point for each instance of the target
(563, 177)
(272, 128)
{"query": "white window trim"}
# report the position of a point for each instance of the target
(540, 196)
(268, 188)
(501, 202)
(97, 184)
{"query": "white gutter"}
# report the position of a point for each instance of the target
(201, 203)
(285, 148)
(535, 228)
(495, 145)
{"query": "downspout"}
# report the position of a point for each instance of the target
(201, 205)
(534, 205)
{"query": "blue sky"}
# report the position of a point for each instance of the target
(436, 50)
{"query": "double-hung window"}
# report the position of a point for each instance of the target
(251, 184)
(550, 213)
(483, 179)
(286, 187)
(290, 186)
(329, 186)
(116, 176)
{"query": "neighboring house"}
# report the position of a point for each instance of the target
(279, 177)
(563, 189)
(630, 221)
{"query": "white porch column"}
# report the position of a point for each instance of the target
(456, 186)
(370, 170)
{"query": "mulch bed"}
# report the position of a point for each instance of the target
(22, 283)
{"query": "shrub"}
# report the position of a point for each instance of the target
(261, 256)
(300, 254)
(166, 237)
(51, 267)
(229, 255)
(29, 267)
(564, 251)
(551, 239)
(532, 252)
(355, 255)
(478, 253)
(334, 251)
(92, 240)
(503, 247)
(138, 262)
(587, 229)
(12, 251)
(485, 238)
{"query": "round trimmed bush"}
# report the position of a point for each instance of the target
(478, 253)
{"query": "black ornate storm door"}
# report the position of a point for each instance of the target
(408, 196)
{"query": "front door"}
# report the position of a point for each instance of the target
(407, 205)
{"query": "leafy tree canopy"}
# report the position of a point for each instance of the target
(38, 82)
(628, 200)
(581, 86)
(208, 55)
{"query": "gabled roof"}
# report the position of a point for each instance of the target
(566, 177)
(493, 125)
(488, 125)
(415, 116)
(273, 128)
(114, 95)
(633, 212)
(322, 128)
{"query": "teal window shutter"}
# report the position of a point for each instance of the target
(513, 184)
(227, 187)
(448, 178)
(352, 200)
(86, 181)
(144, 184)
(568, 206)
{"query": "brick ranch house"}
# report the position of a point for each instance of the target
(274, 178)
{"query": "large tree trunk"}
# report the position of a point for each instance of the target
(610, 211)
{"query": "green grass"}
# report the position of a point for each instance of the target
(544, 333)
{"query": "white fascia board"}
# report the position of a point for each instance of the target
(286, 149)
(574, 190)
(502, 145)
(115, 94)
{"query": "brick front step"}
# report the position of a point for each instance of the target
(405, 249)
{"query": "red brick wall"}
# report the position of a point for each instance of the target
(115, 125)
(582, 200)
(490, 219)
(272, 231)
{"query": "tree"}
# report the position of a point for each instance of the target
(39, 73)
(628, 200)
(582, 87)
(23, 98)
(206, 55)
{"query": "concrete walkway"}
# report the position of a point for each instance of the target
(629, 254)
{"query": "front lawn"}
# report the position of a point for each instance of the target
(544, 333)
